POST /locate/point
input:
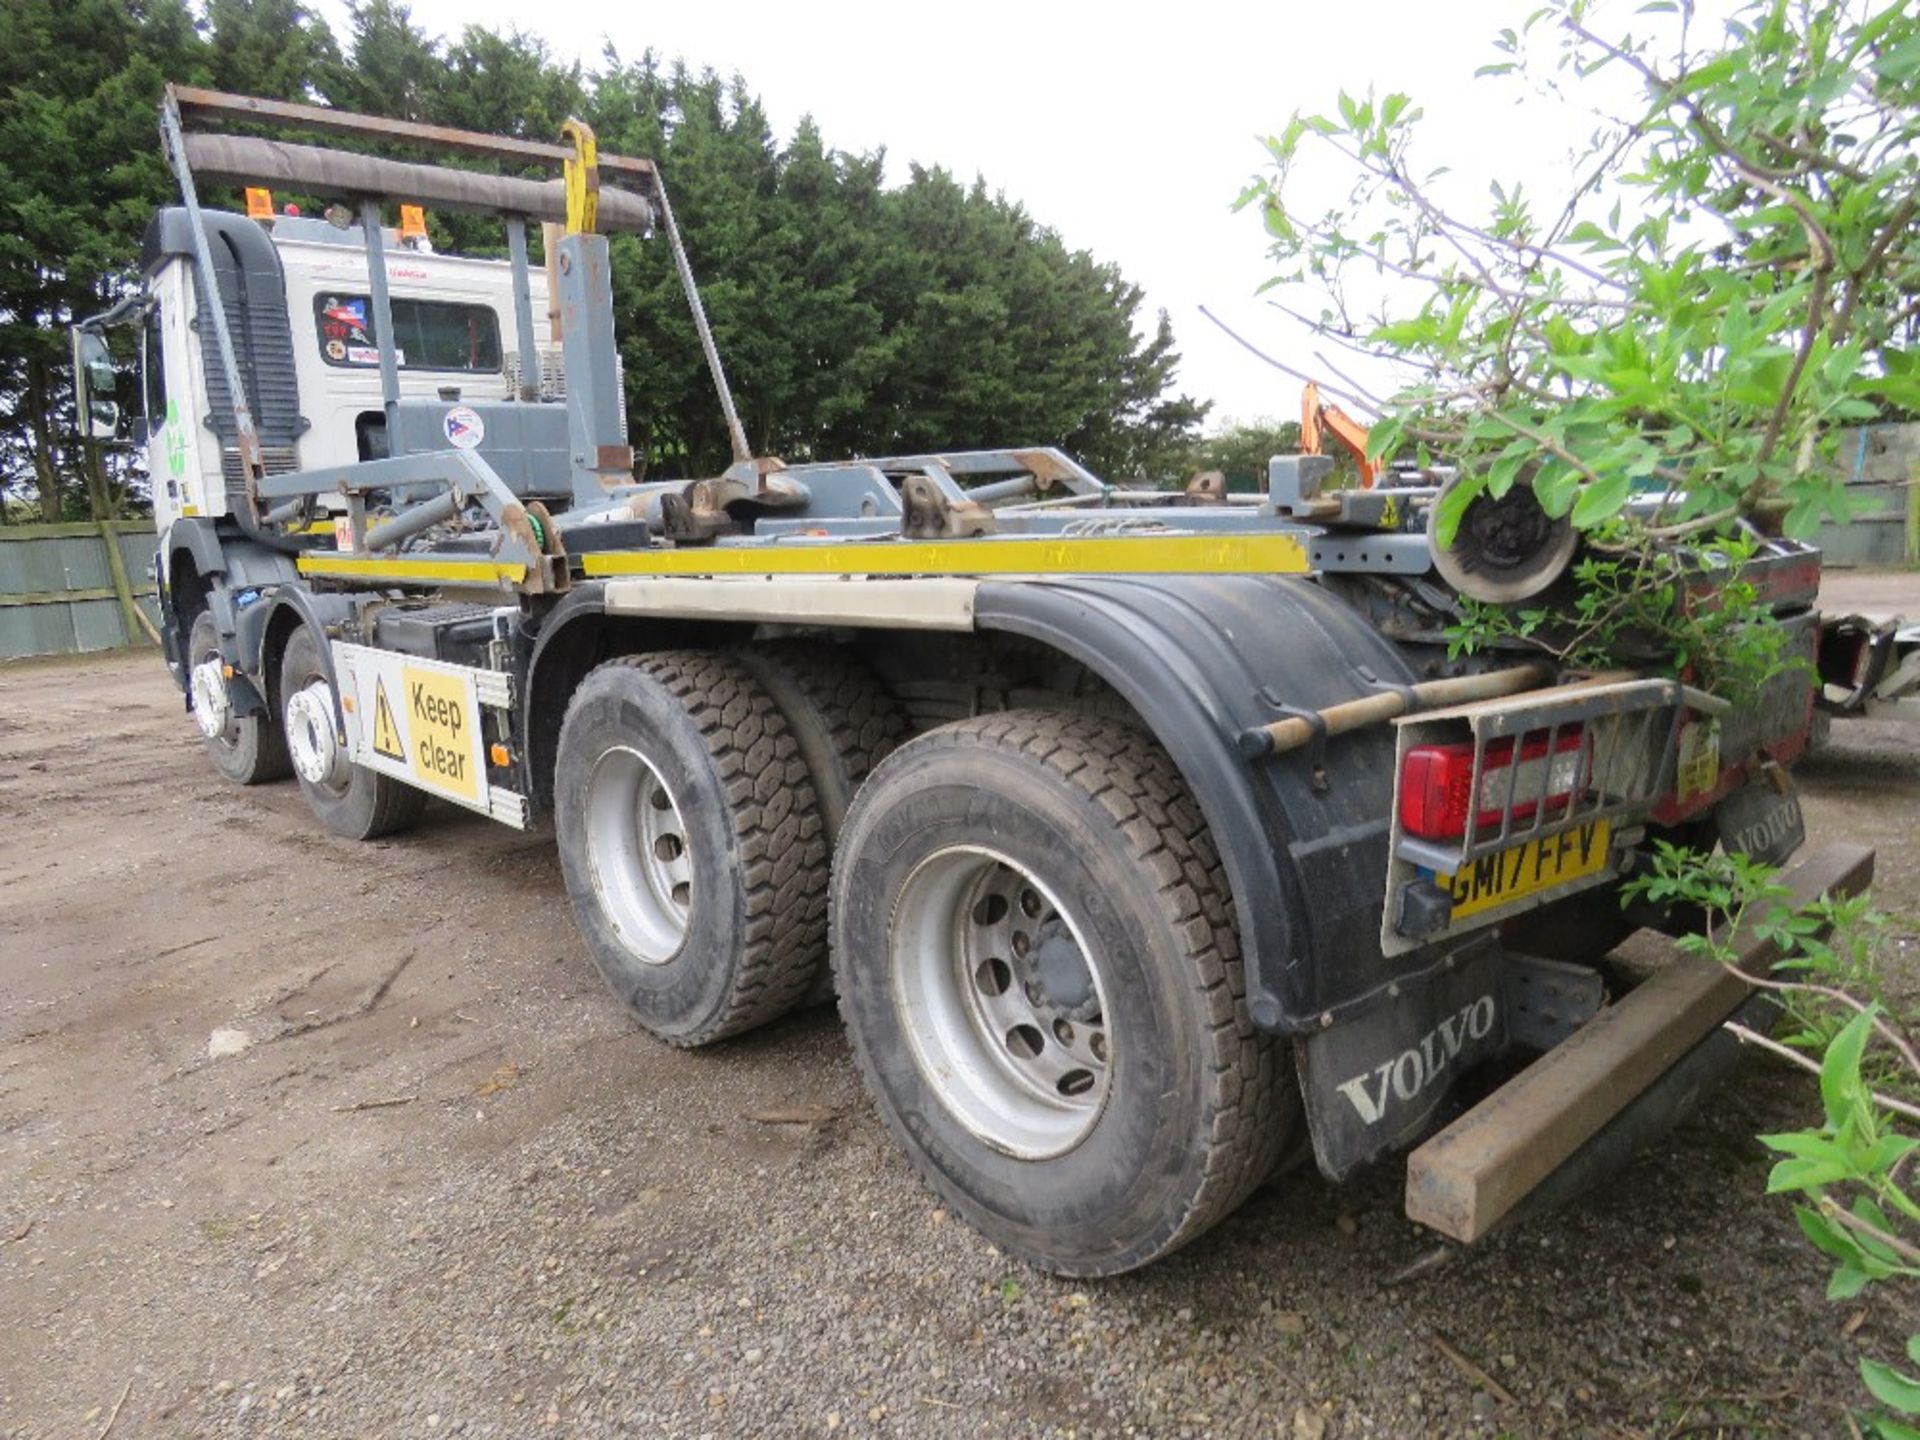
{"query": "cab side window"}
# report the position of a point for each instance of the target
(153, 375)
(429, 334)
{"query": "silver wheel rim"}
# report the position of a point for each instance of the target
(637, 855)
(1002, 1002)
(315, 750)
(212, 707)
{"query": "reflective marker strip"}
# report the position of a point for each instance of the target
(413, 572)
(1010, 555)
(1082, 555)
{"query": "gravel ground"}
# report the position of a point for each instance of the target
(441, 1186)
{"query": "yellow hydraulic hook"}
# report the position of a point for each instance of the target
(582, 178)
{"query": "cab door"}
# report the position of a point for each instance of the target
(182, 451)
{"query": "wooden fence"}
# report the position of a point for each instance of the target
(1882, 464)
(69, 588)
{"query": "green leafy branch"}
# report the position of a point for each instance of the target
(1685, 607)
(1729, 278)
(1850, 1170)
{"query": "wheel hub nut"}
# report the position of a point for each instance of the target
(1062, 972)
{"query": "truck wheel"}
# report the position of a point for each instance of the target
(1040, 976)
(247, 749)
(845, 722)
(691, 844)
(351, 800)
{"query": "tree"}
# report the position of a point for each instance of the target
(854, 318)
(1731, 276)
(829, 243)
(392, 67)
(1846, 1171)
(1242, 449)
(278, 48)
(1004, 336)
(1728, 278)
(506, 85)
(79, 83)
(718, 162)
(1142, 433)
(857, 320)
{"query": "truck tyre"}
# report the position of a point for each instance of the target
(691, 843)
(845, 722)
(351, 800)
(843, 719)
(1040, 976)
(247, 749)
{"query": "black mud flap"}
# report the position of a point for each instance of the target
(1763, 822)
(1373, 1081)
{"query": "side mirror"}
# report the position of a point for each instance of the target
(94, 381)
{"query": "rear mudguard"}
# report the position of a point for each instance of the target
(1303, 836)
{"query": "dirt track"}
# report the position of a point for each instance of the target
(565, 1228)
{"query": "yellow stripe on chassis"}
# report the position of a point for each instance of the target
(401, 570)
(999, 555)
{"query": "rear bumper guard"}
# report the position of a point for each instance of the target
(1614, 1084)
(1631, 730)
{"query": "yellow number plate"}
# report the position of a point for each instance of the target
(1527, 869)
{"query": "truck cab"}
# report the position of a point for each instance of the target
(296, 293)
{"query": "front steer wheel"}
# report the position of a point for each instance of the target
(247, 749)
(691, 842)
(1037, 965)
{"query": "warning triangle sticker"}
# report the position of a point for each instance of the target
(386, 734)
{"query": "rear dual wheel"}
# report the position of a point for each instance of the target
(692, 844)
(842, 717)
(845, 722)
(1037, 964)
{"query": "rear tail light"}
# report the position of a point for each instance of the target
(1435, 780)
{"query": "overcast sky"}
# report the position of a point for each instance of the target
(1129, 129)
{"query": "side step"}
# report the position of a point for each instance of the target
(1473, 1174)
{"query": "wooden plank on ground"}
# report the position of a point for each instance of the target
(1465, 1179)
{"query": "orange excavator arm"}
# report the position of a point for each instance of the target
(1319, 419)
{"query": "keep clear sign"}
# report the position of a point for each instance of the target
(441, 727)
(417, 720)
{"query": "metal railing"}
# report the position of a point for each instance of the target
(1629, 740)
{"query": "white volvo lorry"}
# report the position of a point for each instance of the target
(1147, 837)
